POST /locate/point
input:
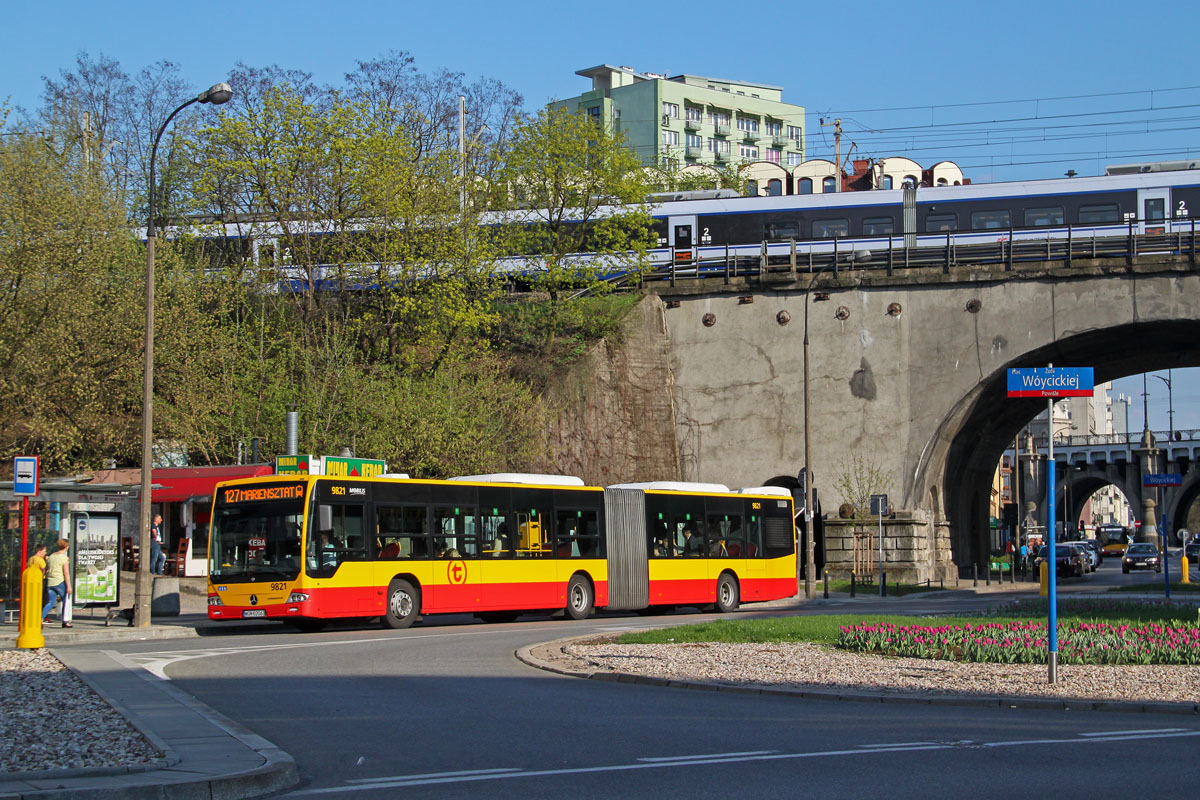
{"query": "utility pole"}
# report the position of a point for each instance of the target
(837, 152)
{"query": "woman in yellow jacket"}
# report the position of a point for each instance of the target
(58, 583)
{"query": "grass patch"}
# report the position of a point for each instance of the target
(825, 629)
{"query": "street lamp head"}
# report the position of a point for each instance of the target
(216, 94)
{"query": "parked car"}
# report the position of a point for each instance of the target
(1092, 549)
(1141, 555)
(1067, 560)
(1192, 551)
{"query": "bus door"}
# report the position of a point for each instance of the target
(682, 236)
(1154, 210)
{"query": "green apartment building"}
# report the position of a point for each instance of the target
(690, 119)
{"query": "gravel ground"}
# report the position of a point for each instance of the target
(804, 665)
(51, 720)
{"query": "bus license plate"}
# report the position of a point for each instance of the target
(254, 612)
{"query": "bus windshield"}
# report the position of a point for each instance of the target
(255, 534)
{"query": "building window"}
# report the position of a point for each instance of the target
(720, 146)
(694, 140)
(794, 160)
(670, 138)
(887, 181)
(693, 114)
(747, 151)
(793, 132)
(594, 114)
(828, 185)
(671, 110)
(748, 124)
(774, 156)
(774, 128)
(805, 186)
(909, 182)
(751, 189)
(718, 118)
(774, 187)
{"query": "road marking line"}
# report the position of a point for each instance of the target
(460, 773)
(402, 782)
(709, 755)
(895, 744)
(1125, 733)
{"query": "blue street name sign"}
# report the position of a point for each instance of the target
(1051, 382)
(1163, 479)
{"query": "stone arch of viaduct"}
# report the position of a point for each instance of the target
(908, 374)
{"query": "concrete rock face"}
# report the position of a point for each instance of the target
(616, 415)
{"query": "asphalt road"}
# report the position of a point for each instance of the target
(444, 710)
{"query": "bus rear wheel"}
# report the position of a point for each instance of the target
(403, 605)
(727, 594)
(579, 598)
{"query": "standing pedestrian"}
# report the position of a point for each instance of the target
(58, 584)
(158, 559)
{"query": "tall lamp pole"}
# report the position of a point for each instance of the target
(810, 567)
(1170, 405)
(215, 95)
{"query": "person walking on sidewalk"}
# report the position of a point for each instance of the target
(58, 583)
(158, 559)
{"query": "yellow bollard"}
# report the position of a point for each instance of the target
(1183, 565)
(1044, 574)
(30, 635)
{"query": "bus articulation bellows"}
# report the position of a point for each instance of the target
(308, 548)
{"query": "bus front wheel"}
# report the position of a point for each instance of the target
(727, 594)
(579, 598)
(403, 605)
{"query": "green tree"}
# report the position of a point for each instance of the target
(575, 187)
(858, 479)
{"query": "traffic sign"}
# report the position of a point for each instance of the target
(1051, 382)
(25, 475)
(1163, 479)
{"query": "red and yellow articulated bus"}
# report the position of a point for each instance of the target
(306, 548)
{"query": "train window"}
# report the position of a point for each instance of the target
(941, 222)
(831, 228)
(805, 186)
(878, 226)
(1035, 217)
(986, 220)
(887, 182)
(1108, 212)
(781, 230)
(829, 185)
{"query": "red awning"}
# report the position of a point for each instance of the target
(177, 484)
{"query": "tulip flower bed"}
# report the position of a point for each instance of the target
(1025, 642)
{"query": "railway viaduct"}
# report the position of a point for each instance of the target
(908, 373)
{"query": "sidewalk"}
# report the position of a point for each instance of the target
(204, 754)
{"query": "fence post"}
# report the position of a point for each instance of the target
(852, 584)
(827, 583)
(1070, 241)
(1008, 264)
(946, 268)
(890, 250)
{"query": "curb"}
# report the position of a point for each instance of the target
(541, 656)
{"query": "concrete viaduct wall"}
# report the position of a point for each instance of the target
(907, 372)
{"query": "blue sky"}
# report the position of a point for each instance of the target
(1009, 90)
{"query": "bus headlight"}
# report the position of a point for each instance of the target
(297, 597)
(214, 600)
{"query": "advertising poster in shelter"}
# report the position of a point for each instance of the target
(97, 559)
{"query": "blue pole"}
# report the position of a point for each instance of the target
(1162, 537)
(1051, 535)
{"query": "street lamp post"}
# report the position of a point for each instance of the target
(810, 569)
(1170, 405)
(215, 95)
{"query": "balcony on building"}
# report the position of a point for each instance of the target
(694, 152)
(721, 128)
(779, 142)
